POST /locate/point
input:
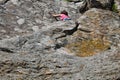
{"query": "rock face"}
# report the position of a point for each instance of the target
(34, 46)
(101, 4)
(18, 17)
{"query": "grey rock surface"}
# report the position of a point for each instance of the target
(33, 44)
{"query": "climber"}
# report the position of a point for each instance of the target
(63, 15)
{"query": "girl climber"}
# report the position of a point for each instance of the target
(63, 15)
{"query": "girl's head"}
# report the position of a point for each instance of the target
(64, 12)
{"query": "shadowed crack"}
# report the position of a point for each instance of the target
(66, 32)
(4, 2)
(6, 50)
(69, 32)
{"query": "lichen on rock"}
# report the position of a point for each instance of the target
(86, 48)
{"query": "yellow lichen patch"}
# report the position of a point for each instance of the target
(88, 47)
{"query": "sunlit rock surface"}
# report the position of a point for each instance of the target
(34, 46)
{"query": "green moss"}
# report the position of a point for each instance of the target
(88, 47)
(114, 8)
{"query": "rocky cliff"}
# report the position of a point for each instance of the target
(34, 46)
